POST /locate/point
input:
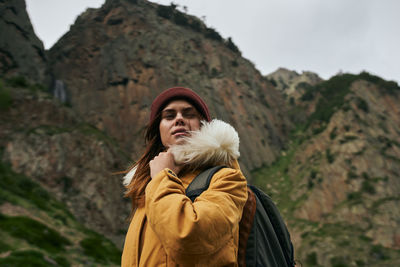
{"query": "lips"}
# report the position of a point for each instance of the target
(180, 132)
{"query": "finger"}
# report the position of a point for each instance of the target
(161, 154)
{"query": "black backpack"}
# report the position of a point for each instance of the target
(263, 236)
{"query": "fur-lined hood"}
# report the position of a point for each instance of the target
(216, 143)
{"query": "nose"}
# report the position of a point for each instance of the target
(179, 120)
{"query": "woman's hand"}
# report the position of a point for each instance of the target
(162, 161)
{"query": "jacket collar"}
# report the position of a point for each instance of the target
(216, 143)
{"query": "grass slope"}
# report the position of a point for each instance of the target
(46, 233)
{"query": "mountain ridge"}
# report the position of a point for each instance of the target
(341, 173)
(151, 53)
(329, 157)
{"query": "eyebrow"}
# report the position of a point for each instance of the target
(183, 110)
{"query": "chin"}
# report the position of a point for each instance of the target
(179, 140)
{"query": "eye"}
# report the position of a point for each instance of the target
(190, 114)
(169, 116)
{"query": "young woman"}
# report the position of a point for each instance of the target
(167, 228)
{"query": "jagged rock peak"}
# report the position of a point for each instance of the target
(21, 51)
(116, 59)
(291, 83)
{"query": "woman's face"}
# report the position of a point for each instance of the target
(177, 119)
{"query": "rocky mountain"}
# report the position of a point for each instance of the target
(291, 84)
(328, 152)
(56, 189)
(296, 89)
(21, 51)
(59, 202)
(49, 143)
(66, 141)
(338, 183)
(116, 59)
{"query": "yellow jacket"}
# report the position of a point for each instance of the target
(170, 230)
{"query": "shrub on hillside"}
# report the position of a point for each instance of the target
(362, 104)
(232, 46)
(271, 80)
(329, 156)
(5, 98)
(195, 25)
(390, 86)
(99, 248)
(213, 34)
(180, 18)
(308, 94)
(166, 12)
(34, 232)
(17, 81)
(24, 258)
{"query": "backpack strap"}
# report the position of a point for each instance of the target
(245, 225)
(201, 183)
(277, 223)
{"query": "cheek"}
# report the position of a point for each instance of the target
(163, 131)
(195, 125)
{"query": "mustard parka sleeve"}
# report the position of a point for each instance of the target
(192, 231)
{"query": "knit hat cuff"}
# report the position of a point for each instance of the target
(176, 93)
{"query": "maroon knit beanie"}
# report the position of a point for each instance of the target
(176, 93)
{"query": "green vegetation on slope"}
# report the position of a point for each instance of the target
(348, 245)
(6, 85)
(20, 190)
(95, 246)
(5, 97)
(36, 229)
(276, 181)
(333, 92)
(34, 242)
(21, 82)
(34, 232)
(289, 184)
(26, 258)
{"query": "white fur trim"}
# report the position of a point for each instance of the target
(126, 180)
(216, 143)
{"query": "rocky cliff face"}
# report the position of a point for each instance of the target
(342, 175)
(296, 88)
(108, 68)
(292, 84)
(47, 142)
(51, 163)
(116, 59)
(21, 52)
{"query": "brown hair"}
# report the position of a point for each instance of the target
(137, 186)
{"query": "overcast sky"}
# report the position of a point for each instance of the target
(314, 35)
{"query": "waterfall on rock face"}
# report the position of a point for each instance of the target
(59, 91)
